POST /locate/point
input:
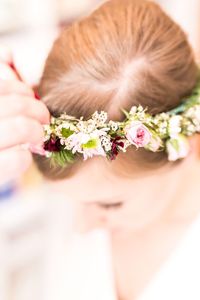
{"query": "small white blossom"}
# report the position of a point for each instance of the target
(106, 143)
(133, 110)
(140, 108)
(67, 117)
(177, 148)
(48, 154)
(164, 116)
(174, 126)
(194, 113)
(53, 120)
(126, 145)
(155, 144)
(86, 126)
(163, 127)
(100, 118)
(48, 132)
(113, 125)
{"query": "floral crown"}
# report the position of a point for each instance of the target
(68, 137)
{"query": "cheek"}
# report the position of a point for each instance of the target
(112, 219)
(90, 217)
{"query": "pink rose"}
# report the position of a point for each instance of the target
(138, 134)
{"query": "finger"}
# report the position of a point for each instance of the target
(14, 105)
(6, 73)
(13, 163)
(5, 55)
(20, 130)
(15, 87)
(37, 149)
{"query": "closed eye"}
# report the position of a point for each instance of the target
(108, 206)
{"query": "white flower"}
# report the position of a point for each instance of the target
(113, 125)
(48, 132)
(193, 113)
(126, 145)
(65, 125)
(100, 118)
(89, 144)
(140, 108)
(174, 126)
(106, 143)
(86, 126)
(67, 117)
(48, 154)
(162, 127)
(155, 144)
(133, 110)
(177, 148)
(90, 152)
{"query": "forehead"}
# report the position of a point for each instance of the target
(95, 181)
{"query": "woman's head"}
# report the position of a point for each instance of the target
(127, 52)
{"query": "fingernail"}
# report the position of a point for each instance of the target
(12, 66)
(37, 95)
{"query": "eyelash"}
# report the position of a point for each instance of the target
(110, 206)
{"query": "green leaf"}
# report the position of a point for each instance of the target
(192, 100)
(66, 132)
(90, 144)
(175, 144)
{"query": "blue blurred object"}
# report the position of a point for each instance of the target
(7, 191)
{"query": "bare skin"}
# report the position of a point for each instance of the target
(21, 120)
(147, 216)
(139, 212)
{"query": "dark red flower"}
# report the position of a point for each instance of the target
(116, 143)
(53, 145)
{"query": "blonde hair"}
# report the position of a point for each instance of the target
(127, 52)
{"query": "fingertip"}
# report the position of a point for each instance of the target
(5, 54)
(46, 117)
(37, 149)
(6, 73)
(14, 163)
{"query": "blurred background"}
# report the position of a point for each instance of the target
(34, 219)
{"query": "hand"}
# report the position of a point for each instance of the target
(21, 120)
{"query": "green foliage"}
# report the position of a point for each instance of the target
(66, 132)
(175, 144)
(62, 158)
(90, 144)
(187, 103)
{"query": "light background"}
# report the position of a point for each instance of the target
(32, 224)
